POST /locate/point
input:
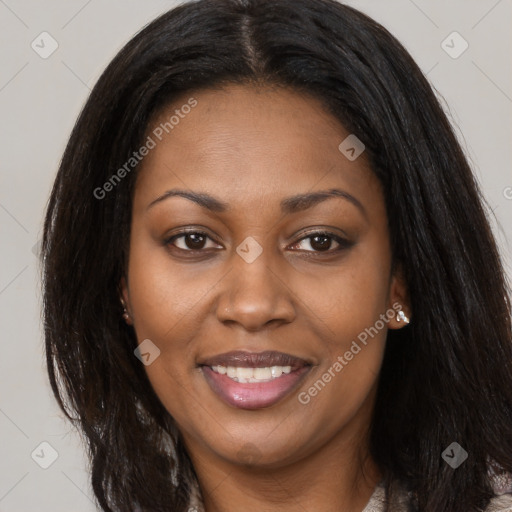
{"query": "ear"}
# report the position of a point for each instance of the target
(124, 297)
(399, 301)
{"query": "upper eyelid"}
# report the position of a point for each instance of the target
(182, 234)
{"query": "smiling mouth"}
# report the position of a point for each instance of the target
(248, 380)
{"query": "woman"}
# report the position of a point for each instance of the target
(269, 280)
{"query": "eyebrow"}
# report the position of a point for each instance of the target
(289, 205)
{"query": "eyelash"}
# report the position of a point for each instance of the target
(343, 243)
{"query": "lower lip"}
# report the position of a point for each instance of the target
(253, 395)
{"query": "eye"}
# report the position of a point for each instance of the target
(189, 241)
(322, 241)
(318, 242)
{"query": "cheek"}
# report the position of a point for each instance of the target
(163, 295)
(165, 300)
(353, 309)
(350, 298)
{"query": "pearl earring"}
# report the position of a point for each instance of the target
(401, 317)
(126, 315)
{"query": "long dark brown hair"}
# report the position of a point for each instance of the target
(446, 378)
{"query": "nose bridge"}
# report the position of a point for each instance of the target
(253, 295)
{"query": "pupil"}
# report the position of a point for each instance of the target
(322, 245)
(196, 239)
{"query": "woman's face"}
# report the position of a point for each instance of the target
(306, 281)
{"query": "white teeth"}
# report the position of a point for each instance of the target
(262, 373)
(251, 375)
(244, 373)
(276, 371)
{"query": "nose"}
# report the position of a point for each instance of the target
(254, 296)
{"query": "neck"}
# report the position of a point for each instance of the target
(339, 476)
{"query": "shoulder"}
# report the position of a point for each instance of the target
(378, 500)
(502, 485)
(500, 504)
(196, 499)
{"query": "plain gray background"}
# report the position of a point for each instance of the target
(39, 102)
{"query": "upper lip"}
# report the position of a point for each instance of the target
(265, 359)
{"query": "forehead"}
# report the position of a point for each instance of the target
(249, 145)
